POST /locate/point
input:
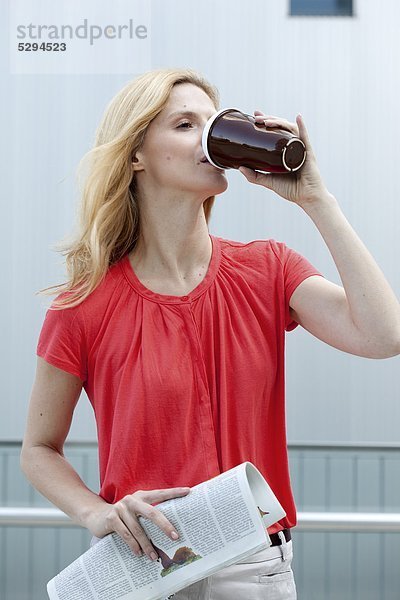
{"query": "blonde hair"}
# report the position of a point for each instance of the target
(109, 224)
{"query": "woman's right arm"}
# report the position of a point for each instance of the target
(54, 396)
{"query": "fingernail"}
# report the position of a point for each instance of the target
(153, 556)
(174, 535)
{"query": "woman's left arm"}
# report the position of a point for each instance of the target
(363, 316)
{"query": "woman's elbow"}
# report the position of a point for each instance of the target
(27, 458)
(386, 348)
(394, 349)
(33, 458)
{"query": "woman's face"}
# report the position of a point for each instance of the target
(170, 159)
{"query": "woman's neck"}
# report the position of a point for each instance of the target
(176, 251)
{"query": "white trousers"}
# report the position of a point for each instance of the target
(265, 575)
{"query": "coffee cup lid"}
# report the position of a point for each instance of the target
(206, 130)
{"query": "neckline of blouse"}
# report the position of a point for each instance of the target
(204, 284)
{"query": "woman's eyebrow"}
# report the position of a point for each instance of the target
(184, 113)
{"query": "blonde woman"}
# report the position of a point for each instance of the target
(177, 336)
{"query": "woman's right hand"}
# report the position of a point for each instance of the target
(122, 518)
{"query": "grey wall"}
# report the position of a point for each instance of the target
(340, 73)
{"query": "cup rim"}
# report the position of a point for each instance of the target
(206, 130)
(295, 139)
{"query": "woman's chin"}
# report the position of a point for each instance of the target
(220, 187)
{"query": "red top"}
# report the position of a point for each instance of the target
(186, 387)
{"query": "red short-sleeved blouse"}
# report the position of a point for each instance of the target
(186, 387)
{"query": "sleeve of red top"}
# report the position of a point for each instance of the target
(62, 341)
(296, 269)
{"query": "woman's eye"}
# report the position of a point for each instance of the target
(185, 125)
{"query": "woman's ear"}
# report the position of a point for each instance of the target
(137, 162)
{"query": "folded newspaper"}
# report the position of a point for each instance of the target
(220, 522)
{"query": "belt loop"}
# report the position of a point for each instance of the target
(283, 546)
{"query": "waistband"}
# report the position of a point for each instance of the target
(276, 539)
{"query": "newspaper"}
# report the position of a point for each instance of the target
(220, 521)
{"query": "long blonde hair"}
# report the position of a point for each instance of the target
(109, 224)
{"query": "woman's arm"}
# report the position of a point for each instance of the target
(363, 316)
(53, 400)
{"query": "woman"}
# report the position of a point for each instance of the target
(178, 336)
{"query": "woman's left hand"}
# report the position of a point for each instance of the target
(302, 187)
